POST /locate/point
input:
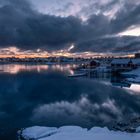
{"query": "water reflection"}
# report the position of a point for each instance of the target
(120, 82)
(115, 80)
(16, 68)
(48, 97)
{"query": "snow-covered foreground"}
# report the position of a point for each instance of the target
(75, 133)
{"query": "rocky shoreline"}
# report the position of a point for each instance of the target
(127, 126)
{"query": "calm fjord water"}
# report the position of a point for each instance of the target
(45, 95)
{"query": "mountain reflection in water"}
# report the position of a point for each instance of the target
(45, 95)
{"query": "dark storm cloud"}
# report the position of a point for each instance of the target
(110, 45)
(22, 26)
(101, 26)
(128, 16)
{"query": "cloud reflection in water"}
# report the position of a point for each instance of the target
(50, 98)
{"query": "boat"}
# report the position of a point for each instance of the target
(78, 75)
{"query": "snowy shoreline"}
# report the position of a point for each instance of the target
(75, 133)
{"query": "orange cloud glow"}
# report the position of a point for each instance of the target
(17, 53)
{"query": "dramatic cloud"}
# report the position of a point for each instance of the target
(124, 44)
(23, 26)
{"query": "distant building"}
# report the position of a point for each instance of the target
(89, 65)
(137, 55)
(94, 63)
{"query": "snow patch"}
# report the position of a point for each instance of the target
(76, 133)
(37, 132)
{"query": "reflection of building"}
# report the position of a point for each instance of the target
(122, 64)
(121, 84)
(137, 55)
(89, 65)
(118, 82)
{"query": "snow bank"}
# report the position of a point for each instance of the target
(76, 133)
(38, 132)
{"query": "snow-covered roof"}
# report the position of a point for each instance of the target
(120, 61)
(125, 61)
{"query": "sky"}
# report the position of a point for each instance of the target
(69, 27)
